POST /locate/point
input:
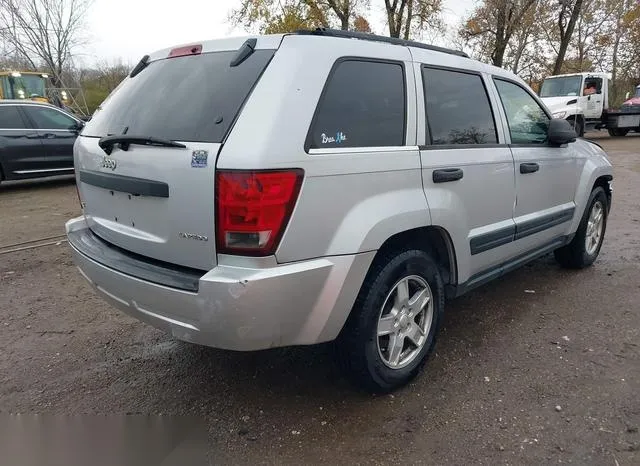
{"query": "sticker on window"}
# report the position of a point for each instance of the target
(337, 139)
(199, 158)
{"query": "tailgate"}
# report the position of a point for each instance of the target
(157, 202)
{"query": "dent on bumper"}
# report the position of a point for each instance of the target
(240, 308)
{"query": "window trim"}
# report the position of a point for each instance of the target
(33, 123)
(23, 118)
(429, 135)
(308, 140)
(506, 117)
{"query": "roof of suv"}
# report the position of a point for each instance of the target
(376, 38)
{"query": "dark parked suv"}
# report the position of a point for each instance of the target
(36, 140)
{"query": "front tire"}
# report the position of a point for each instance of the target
(583, 250)
(578, 125)
(393, 324)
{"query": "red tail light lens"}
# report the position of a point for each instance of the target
(253, 209)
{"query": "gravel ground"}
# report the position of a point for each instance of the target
(518, 377)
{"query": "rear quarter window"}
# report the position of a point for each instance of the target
(192, 98)
(363, 105)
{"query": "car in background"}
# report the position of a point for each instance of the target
(36, 139)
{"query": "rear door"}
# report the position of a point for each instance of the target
(57, 133)
(159, 201)
(468, 173)
(20, 148)
(546, 176)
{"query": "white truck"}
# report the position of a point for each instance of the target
(583, 100)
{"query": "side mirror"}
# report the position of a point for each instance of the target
(77, 126)
(560, 132)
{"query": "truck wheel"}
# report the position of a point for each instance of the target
(618, 132)
(392, 327)
(583, 250)
(578, 125)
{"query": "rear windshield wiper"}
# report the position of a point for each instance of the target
(107, 142)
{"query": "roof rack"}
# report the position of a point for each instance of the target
(327, 32)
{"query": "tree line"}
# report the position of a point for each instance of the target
(532, 38)
(537, 38)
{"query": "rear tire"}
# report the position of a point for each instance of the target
(583, 250)
(390, 331)
(618, 132)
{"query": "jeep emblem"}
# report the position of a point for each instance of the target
(108, 162)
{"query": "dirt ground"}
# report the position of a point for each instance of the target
(517, 378)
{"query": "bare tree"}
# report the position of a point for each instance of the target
(494, 23)
(405, 15)
(44, 31)
(567, 18)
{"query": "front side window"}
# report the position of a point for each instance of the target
(528, 122)
(10, 117)
(458, 109)
(363, 105)
(47, 118)
(592, 86)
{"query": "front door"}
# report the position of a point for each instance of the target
(468, 177)
(57, 133)
(546, 177)
(592, 91)
(20, 148)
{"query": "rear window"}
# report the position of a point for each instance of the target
(191, 98)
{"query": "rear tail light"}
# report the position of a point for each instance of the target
(253, 209)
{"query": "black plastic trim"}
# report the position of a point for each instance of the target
(462, 146)
(125, 184)
(531, 227)
(446, 175)
(492, 273)
(144, 268)
(327, 32)
(493, 239)
(529, 167)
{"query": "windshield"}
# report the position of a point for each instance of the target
(561, 87)
(192, 98)
(27, 86)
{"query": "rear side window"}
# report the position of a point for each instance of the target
(363, 105)
(48, 118)
(191, 98)
(458, 109)
(10, 117)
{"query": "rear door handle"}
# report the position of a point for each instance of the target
(32, 136)
(447, 174)
(49, 135)
(529, 168)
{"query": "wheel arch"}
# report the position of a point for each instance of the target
(432, 239)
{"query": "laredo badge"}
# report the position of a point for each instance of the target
(199, 158)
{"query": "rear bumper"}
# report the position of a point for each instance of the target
(247, 306)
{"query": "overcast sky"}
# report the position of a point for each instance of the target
(129, 29)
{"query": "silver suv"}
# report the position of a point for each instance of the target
(301, 188)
